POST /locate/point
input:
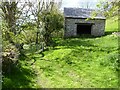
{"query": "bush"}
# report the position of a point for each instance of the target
(9, 58)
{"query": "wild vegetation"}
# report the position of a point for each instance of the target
(35, 55)
(19, 28)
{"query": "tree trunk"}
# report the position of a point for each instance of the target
(37, 37)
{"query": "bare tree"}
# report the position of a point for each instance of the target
(88, 4)
(40, 11)
(10, 14)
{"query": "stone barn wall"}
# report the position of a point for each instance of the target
(97, 29)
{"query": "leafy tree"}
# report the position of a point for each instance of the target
(18, 28)
(10, 14)
(53, 22)
(11, 39)
(109, 8)
(47, 18)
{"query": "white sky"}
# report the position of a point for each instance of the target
(79, 3)
(70, 3)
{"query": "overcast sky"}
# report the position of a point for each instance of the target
(79, 3)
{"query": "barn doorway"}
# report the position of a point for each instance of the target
(84, 28)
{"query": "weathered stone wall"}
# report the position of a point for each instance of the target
(71, 28)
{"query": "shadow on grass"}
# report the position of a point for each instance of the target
(83, 36)
(109, 32)
(84, 42)
(73, 42)
(79, 40)
(19, 77)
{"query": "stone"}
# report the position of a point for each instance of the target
(72, 20)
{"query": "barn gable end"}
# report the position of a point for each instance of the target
(76, 23)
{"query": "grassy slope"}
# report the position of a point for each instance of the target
(74, 62)
(112, 24)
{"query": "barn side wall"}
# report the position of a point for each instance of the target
(71, 27)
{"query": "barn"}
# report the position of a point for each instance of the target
(81, 21)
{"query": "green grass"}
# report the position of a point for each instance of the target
(87, 62)
(82, 62)
(112, 24)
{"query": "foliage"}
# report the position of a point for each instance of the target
(53, 23)
(48, 19)
(19, 29)
(29, 33)
(9, 52)
(10, 39)
(9, 57)
(9, 11)
(109, 8)
(84, 62)
(113, 21)
(73, 62)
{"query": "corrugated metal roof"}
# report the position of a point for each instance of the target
(81, 13)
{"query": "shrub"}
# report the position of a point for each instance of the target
(9, 58)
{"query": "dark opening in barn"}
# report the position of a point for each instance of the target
(84, 29)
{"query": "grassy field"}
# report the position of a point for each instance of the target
(82, 62)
